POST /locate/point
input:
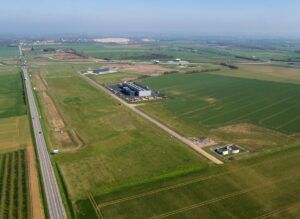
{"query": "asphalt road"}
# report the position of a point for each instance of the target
(54, 201)
(157, 123)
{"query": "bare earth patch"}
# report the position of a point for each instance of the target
(61, 135)
(210, 100)
(37, 208)
(112, 40)
(146, 69)
(202, 141)
(253, 136)
(70, 57)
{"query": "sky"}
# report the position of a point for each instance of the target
(272, 18)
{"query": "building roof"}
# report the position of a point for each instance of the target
(100, 70)
(136, 87)
(221, 150)
(234, 147)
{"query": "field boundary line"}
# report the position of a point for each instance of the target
(278, 113)
(277, 211)
(289, 122)
(207, 202)
(159, 190)
(241, 99)
(234, 101)
(245, 106)
(94, 204)
(205, 107)
(261, 109)
(220, 198)
(195, 180)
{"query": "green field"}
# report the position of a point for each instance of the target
(130, 169)
(8, 51)
(114, 78)
(211, 101)
(261, 187)
(11, 93)
(14, 192)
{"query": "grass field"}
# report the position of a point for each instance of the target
(14, 191)
(286, 74)
(121, 148)
(11, 93)
(114, 78)
(254, 113)
(211, 101)
(7, 51)
(129, 169)
(14, 123)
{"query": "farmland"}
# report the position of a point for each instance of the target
(14, 185)
(129, 169)
(245, 189)
(211, 101)
(8, 51)
(19, 181)
(123, 144)
(11, 93)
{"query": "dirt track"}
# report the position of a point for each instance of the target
(61, 136)
(37, 208)
(157, 123)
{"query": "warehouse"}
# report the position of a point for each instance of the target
(137, 89)
(101, 71)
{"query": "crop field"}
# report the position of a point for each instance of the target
(11, 93)
(121, 149)
(127, 168)
(212, 101)
(276, 73)
(115, 77)
(14, 193)
(7, 51)
(261, 187)
(98, 50)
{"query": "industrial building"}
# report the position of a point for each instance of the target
(133, 89)
(101, 71)
(228, 149)
(234, 149)
(222, 151)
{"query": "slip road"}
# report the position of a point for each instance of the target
(54, 202)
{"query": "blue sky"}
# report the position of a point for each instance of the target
(194, 17)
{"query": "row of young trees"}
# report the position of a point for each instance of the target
(14, 194)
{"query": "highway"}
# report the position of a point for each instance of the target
(176, 135)
(55, 205)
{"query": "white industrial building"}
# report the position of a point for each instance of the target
(234, 149)
(222, 151)
(140, 90)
